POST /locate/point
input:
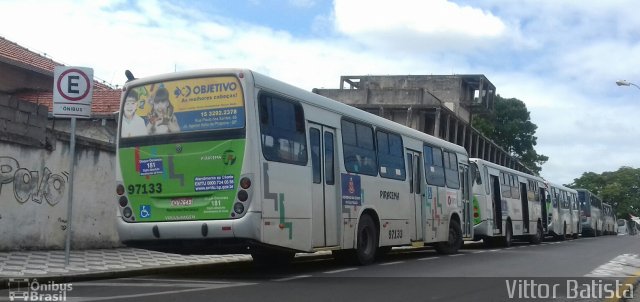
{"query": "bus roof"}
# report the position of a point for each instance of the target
(503, 168)
(317, 100)
(557, 186)
(268, 83)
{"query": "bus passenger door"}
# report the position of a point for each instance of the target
(416, 188)
(465, 186)
(524, 199)
(497, 204)
(543, 205)
(324, 222)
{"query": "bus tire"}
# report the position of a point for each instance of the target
(367, 244)
(453, 244)
(507, 240)
(537, 238)
(575, 235)
(563, 237)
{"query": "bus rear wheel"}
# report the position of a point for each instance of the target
(367, 244)
(453, 244)
(507, 240)
(537, 238)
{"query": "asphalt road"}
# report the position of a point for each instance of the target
(566, 270)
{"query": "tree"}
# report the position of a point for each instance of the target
(510, 126)
(620, 189)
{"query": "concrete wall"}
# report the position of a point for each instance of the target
(34, 184)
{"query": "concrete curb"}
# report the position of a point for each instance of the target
(123, 273)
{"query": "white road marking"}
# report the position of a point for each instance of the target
(624, 265)
(341, 270)
(199, 287)
(428, 258)
(291, 278)
(390, 263)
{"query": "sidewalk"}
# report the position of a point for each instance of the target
(101, 263)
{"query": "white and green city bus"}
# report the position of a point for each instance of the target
(212, 159)
(506, 204)
(563, 213)
(590, 213)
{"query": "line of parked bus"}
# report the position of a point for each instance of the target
(509, 203)
(233, 158)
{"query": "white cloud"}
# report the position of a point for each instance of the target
(562, 60)
(426, 24)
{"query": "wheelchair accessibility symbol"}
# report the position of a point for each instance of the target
(145, 211)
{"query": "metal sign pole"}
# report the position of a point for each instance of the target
(67, 246)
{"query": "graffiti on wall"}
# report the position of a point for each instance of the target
(37, 186)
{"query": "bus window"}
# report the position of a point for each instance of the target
(314, 139)
(329, 158)
(433, 166)
(410, 167)
(515, 186)
(418, 177)
(390, 156)
(505, 180)
(475, 172)
(282, 130)
(451, 170)
(358, 148)
(487, 184)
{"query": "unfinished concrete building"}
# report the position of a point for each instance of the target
(439, 105)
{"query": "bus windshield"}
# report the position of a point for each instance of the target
(585, 204)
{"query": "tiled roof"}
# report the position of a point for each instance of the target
(106, 100)
(14, 54)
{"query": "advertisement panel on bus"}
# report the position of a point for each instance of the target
(196, 178)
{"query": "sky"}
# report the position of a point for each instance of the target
(562, 58)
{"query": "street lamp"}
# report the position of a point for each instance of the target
(625, 83)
